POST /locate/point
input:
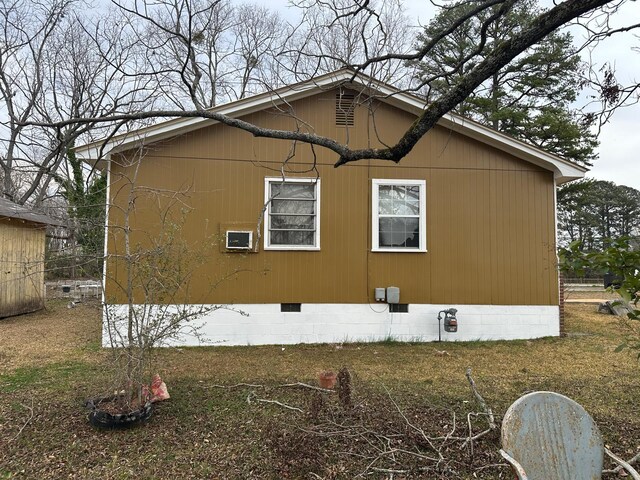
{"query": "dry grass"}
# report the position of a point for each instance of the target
(52, 359)
(591, 294)
(56, 334)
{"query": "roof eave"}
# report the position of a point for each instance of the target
(179, 126)
(563, 170)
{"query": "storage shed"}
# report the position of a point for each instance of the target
(22, 242)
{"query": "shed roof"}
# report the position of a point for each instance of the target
(9, 209)
(564, 170)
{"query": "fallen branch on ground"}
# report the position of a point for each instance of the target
(25, 423)
(621, 462)
(237, 385)
(286, 385)
(416, 429)
(252, 397)
(306, 385)
(481, 401)
(385, 438)
(487, 412)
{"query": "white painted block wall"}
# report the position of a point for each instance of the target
(337, 323)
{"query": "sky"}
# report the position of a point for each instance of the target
(619, 150)
(620, 139)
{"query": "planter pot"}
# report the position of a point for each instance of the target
(103, 419)
(327, 379)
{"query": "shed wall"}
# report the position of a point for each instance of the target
(490, 216)
(21, 267)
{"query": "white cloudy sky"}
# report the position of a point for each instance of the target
(619, 149)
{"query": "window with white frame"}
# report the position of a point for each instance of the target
(399, 216)
(292, 214)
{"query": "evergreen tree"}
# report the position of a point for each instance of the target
(593, 212)
(528, 99)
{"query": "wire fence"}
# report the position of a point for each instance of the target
(584, 281)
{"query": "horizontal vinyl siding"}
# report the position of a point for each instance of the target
(490, 217)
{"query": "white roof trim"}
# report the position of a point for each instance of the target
(564, 170)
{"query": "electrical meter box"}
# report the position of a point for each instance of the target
(393, 295)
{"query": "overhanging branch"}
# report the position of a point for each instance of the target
(495, 60)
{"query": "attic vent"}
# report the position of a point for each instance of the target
(239, 240)
(345, 106)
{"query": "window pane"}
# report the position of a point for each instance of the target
(293, 206)
(399, 232)
(413, 192)
(412, 200)
(412, 207)
(292, 190)
(398, 192)
(385, 206)
(384, 192)
(404, 208)
(291, 238)
(293, 222)
(399, 200)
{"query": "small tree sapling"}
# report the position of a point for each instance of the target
(150, 303)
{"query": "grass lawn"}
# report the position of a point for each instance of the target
(51, 361)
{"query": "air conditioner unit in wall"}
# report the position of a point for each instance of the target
(239, 240)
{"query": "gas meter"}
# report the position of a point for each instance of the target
(450, 321)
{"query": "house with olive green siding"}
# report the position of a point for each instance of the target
(368, 251)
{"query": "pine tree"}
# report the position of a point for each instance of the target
(529, 99)
(594, 212)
